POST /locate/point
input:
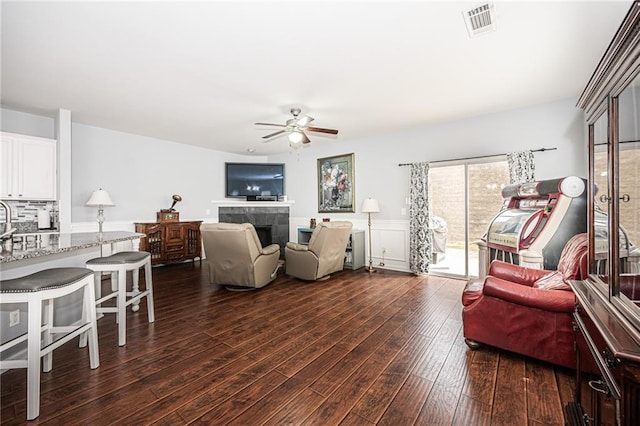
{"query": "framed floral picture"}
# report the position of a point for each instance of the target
(336, 189)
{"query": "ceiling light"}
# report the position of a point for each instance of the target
(295, 136)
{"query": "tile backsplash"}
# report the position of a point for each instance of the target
(27, 211)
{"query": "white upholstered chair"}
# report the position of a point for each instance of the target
(235, 257)
(323, 255)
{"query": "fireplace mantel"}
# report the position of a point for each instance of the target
(243, 203)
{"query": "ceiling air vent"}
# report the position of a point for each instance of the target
(480, 20)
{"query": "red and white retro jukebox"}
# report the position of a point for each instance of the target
(537, 220)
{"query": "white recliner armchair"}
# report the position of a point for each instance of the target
(235, 256)
(323, 255)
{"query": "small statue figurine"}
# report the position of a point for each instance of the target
(312, 223)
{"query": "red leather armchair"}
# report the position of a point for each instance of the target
(505, 310)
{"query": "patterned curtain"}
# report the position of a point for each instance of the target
(522, 167)
(420, 234)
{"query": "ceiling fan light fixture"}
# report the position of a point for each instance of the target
(295, 137)
(295, 145)
(296, 129)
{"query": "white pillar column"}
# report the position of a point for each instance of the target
(63, 134)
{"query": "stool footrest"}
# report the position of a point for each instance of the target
(107, 310)
(136, 297)
(71, 334)
(107, 297)
(45, 327)
(11, 343)
(14, 363)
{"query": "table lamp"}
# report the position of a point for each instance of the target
(100, 198)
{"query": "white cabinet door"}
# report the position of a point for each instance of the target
(38, 169)
(28, 168)
(6, 166)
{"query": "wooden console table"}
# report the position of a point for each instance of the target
(171, 242)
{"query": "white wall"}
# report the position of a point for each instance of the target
(27, 124)
(555, 125)
(142, 173)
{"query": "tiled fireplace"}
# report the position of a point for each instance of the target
(271, 223)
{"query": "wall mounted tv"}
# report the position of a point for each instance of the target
(254, 179)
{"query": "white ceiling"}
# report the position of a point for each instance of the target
(203, 72)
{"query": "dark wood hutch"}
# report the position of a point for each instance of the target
(607, 315)
(169, 240)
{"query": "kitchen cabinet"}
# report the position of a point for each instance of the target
(28, 168)
(171, 242)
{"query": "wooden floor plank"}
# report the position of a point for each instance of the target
(481, 378)
(383, 391)
(472, 412)
(338, 405)
(297, 409)
(543, 396)
(241, 401)
(509, 401)
(405, 407)
(566, 381)
(263, 409)
(357, 349)
(355, 420)
(442, 401)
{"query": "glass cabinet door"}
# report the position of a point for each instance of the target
(600, 158)
(629, 192)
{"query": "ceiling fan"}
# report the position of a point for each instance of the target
(296, 127)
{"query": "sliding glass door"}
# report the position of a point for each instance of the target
(465, 196)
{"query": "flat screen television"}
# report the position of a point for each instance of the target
(254, 179)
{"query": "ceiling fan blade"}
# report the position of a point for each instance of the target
(304, 121)
(269, 124)
(321, 130)
(305, 139)
(279, 132)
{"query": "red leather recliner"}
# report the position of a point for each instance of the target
(505, 310)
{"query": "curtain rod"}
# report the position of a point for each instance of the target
(479, 156)
(621, 142)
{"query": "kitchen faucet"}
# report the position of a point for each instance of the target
(6, 237)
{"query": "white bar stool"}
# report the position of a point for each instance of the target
(118, 265)
(46, 286)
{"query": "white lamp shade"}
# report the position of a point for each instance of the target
(370, 205)
(99, 198)
(295, 137)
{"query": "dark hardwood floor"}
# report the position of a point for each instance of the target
(358, 349)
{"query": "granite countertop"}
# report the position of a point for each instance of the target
(49, 244)
(38, 232)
